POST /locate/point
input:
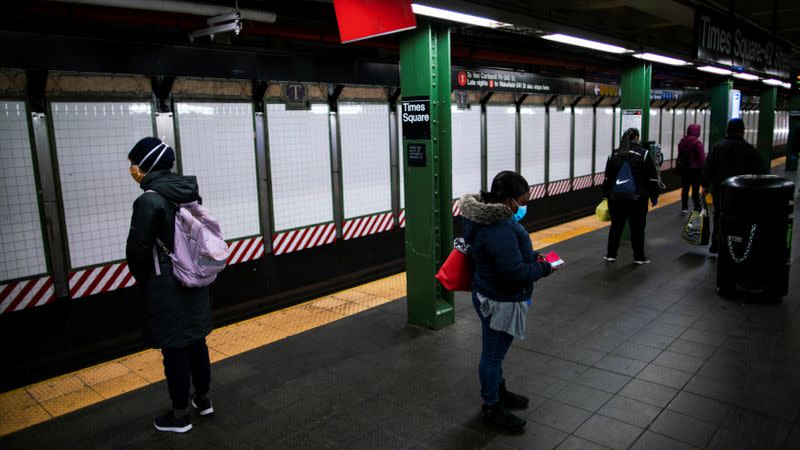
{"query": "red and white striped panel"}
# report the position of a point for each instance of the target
(296, 240)
(246, 250)
(538, 191)
(558, 187)
(96, 280)
(456, 209)
(19, 295)
(582, 182)
(365, 226)
(599, 178)
(402, 218)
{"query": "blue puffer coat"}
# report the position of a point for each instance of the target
(502, 254)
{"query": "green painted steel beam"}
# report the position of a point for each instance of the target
(635, 94)
(719, 112)
(635, 86)
(425, 72)
(766, 124)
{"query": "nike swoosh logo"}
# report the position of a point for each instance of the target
(623, 181)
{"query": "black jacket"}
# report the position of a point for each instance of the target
(643, 168)
(504, 262)
(174, 315)
(730, 157)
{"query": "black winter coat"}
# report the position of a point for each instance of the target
(501, 251)
(174, 315)
(730, 157)
(643, 168)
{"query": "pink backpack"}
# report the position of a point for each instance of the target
(199, 252)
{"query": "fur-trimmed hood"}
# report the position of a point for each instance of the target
(474, 209)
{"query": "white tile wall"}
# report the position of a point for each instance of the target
(21, 241)
(679, 131)
(365, 158)
(218, 147)
(617, 132)
(667, 134)
(756, 118)
(500, 140)
(583, 140)
(532, 121)
(605, 128)
(707, 130)
(92, 144)
(466, 134)
(300, 163)
(654, 129)
(560, 123)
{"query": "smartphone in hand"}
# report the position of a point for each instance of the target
(554, 260)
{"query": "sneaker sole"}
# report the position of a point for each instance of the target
(641, 263)
(206, 412)
(607, 259)
(174, 429)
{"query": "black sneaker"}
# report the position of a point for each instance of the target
(497, 415)
(202, 405)
(713, 249)
(168, 422)
(511, 400)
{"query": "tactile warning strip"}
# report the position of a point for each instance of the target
(30, 405)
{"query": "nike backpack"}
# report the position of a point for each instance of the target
(624, 186)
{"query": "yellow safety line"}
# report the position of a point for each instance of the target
(40, 402)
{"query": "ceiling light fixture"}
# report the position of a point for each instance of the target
(715, 70)
(746, 76)
(772, 82)
(586, 43)
(456, 16)
(786, 85)
(661, 59)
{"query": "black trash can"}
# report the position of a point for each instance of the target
(755, 237)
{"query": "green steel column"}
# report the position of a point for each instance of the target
(635, 94)
(719, 111)
(635, 87)
(766, 124)
(793, 145)
(425, 72)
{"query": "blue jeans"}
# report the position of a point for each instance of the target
(493, 351)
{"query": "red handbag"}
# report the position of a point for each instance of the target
(456, 272)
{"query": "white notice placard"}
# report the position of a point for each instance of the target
(631, 118)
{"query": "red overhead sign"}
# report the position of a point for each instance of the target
(363, 19)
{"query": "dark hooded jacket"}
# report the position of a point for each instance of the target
(505, 265)
(644, 171)
(730, 157)
(174, 315)
(692, 146)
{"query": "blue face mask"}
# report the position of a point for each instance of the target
(521, 210)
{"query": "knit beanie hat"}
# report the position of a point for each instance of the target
(152, 154)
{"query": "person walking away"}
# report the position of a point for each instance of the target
(176, 318)
(631, 179)
(727, 158)
(505, 269)
(691, 155)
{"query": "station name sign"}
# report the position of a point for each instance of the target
(730, 41)
(416, 117)
(519, 82)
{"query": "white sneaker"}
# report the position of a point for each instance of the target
(641, 261)
(684, 211)
(610, 259)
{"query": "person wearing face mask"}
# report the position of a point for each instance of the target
(505, 269)
(176, 318)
